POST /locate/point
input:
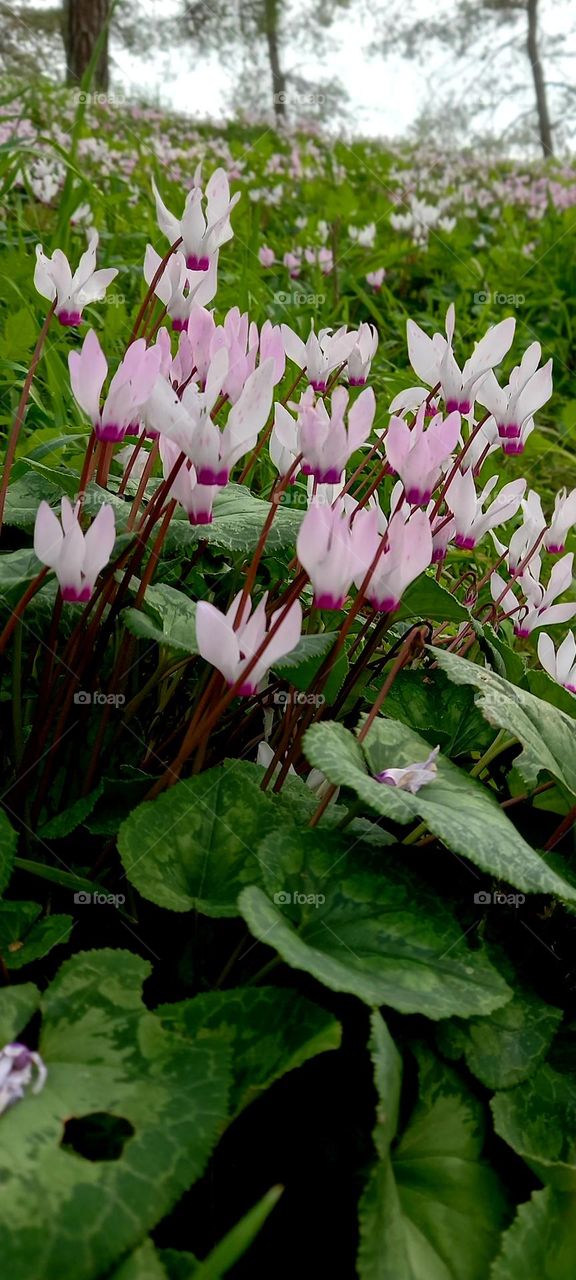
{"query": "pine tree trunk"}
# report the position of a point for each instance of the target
(83, 22)
(277, 74)
(544, 126)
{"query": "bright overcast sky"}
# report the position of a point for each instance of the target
(385, 96)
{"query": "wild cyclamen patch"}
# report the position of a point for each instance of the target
(288, 650)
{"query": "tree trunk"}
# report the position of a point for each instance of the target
(83, 22)
(277, 74)
(544, 126)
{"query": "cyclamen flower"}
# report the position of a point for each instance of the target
(562, 521)
(560, 664)
(408, 553)
(129, 389)
(230, 650)
(526, 536)
(472, 522)
(413, 776)
(538, 608)
(196, 499)
(266, 256)
(417, 455)
(362, 355)
(335, 551)
(376, 279)
(75, 557)
(324, 441)
(284, 446)
(179, 288)
(364, 236)
(320, 354)
(189, 424)
(433, 360)
(293, 262)
(202, 233)
(528, 389)
(54, 280)
(21, 1069)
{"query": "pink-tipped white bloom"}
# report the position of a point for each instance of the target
(408, 553)
(538, 608)
(433, 361)
(293, 262)
(320, 354)
(266, 256)
(196, 499)
(513, 406)
(362, 355)
(417, 455)
(467, 507)
(188, 422)
(230, 650)
(335, 551)
(560, 664)
(562, 521)
(21, 1071)
(202, 232)
(443, 530)
(54, 280)
(179, 288)
(413, 776)
(526, 536)
(284, 446)
(75, 557)
(130, 387)
(272, 347)
(324, 440)
(376, 279)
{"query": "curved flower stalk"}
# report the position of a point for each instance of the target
(362, 355)
(467, 507)
(538, 608)
(408, 552)
(513, 407)
(202, 232)
(76, 557)
(561, 663)
(129, 389)
(21, 1070)
(320, 354)
(417, 455)
(54, 280)
(563, 519)
(335, 551)
(230, 650)
(179, 288)
(433, 361)
(323, 439)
